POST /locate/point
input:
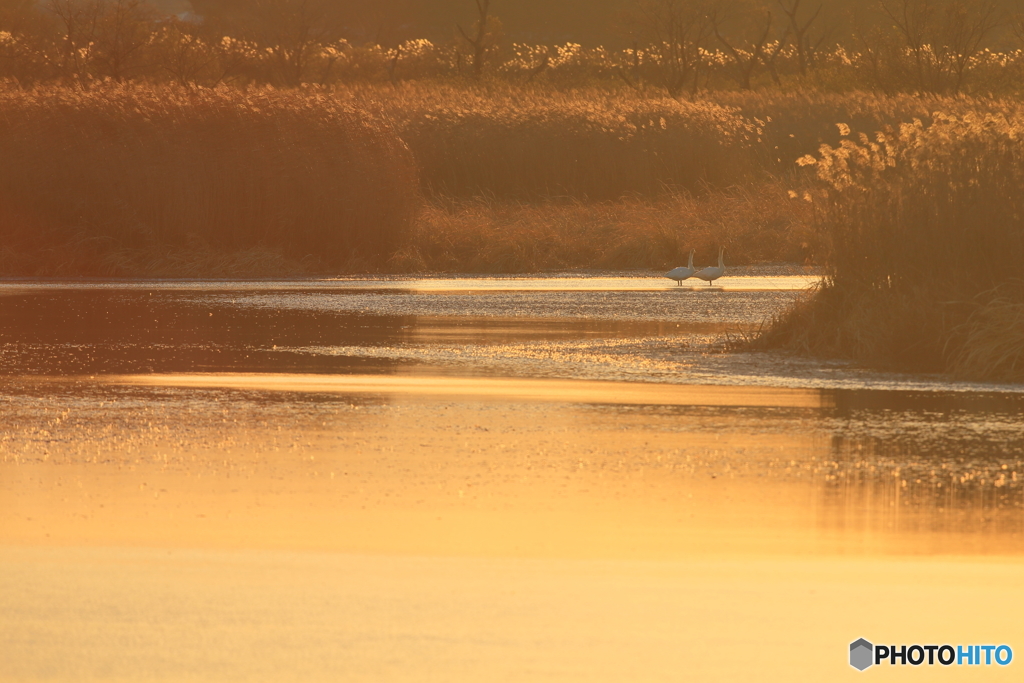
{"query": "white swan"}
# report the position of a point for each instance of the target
(681, 273)
(713, 272)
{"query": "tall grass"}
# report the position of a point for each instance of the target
(799, 122)
(132, 180)
(120, 170)
(527, 144)
(926, 231)
(758, 225)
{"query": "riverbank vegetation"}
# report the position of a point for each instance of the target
(242, 145)
(120, 179)
(763, 224)
(134, 180)
(926, 236)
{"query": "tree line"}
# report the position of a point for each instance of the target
(677, 47)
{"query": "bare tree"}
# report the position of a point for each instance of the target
(483, 38)
(771, 53)
(941, 38)
(25, 54)
(966, 28)
(122, 31)
(800, 29)
(675, 31)
(181, 51)
(542, 66)
(393, 65)
(745, 60)
(293, 31)
(78, 21)
(913, 21)
(1016, 22)
(871, 42)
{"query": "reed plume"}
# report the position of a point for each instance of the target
(925, 228)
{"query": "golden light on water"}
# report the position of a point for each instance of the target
(424, 519)
(463, 466)
(678, 536)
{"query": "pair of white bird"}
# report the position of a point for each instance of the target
(710, 273)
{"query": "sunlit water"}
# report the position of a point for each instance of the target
(932, 439)
(509, 420)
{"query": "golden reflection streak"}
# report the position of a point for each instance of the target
(505, 389)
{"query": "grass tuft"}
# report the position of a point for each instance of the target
(990, 342)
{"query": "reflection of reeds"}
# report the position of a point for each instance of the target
(135, 170)
(946, 479)
(920, 224)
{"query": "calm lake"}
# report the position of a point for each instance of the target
(546, 478)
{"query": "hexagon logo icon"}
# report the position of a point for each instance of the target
(861, 654)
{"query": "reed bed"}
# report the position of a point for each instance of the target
(757, 225)
(98, 182)
(799, 122)
(130, 180)
(529, 144)
(990, 342)
(925, 231)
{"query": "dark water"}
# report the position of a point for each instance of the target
(86, 331)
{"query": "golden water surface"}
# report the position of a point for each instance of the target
(428, 523)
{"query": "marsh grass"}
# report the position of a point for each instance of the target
(90, 176)
(799, 122)
(925, 229)
(119, 180)
(904, 331)
(760, 224)
(527, 144)
(989, 344)
(534, 144)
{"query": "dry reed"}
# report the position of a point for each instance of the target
(925, 228)
(989, 344)
(799, 122)
(121, 180)
(761, 224)
(528, 144)
(534, 143)
(138, 171)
